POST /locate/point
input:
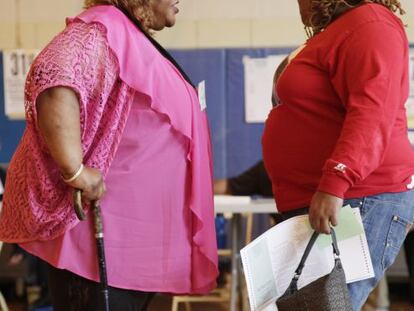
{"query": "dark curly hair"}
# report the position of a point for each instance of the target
(323, 12)
(138, 8)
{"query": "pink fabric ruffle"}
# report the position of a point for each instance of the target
(192, 123)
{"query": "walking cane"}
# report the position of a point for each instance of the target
(99, 238)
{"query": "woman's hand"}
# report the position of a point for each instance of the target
(323, 211)
(91, 183)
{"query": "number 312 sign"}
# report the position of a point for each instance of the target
(16, 64)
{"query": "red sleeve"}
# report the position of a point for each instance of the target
(368, 78)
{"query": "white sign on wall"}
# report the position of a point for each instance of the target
(16, 64)
(410, 103)
(258, 84)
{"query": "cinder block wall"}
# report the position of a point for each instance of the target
(201, 23)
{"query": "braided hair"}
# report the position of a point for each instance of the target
(323, 12)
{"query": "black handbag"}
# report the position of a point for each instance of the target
(328, 293)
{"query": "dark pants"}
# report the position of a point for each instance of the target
(409, 251)
(71, 292)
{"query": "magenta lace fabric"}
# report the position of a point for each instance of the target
(78, 58)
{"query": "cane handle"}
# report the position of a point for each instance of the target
(77, 203)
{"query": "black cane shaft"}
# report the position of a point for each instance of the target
(102, 273)
(102, 268)
(102, 262)
(99, 237)
(105, 297)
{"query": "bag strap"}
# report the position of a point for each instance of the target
(308, 249)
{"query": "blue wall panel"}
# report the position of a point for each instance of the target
(243, 139)
(236, 144)
(10, 131)
(209, 65)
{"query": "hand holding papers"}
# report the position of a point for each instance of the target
(270, 260)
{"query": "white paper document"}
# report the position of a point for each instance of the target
(411, 72)
(269, 262)
(410, 101)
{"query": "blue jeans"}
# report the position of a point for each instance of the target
(387, 218)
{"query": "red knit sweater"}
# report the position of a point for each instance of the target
(341, 126)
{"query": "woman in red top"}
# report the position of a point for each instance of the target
(339, 136)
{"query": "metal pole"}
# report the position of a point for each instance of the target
(235, 225)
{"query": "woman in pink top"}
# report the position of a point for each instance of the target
(111, 113)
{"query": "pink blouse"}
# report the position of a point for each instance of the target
(147, 221)
(142, 126)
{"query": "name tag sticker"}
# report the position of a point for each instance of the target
(202, 95)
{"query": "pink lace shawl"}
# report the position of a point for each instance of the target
(37, 204)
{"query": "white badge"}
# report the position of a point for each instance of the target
(202, 95)
(1, 188)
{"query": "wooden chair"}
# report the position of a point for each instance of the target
(219, 295)
(216, 296)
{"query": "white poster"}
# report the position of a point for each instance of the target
(410, 103)
(16, 64)
(258, 84)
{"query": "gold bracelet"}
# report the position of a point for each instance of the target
(76, 175)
